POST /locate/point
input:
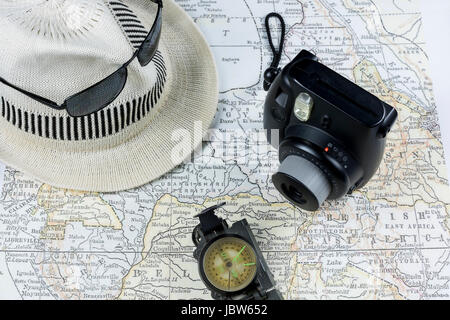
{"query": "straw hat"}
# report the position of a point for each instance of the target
(56, 48)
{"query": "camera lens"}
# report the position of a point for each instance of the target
(302, 182)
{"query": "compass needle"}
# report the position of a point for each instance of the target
(237, 256)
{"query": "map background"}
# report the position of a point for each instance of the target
(389, 240)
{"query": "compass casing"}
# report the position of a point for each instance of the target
(263, 279)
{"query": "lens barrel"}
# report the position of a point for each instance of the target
(302, 183)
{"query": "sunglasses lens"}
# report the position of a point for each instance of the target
(98, 96)
(150, 45)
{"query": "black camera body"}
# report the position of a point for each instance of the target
(330, 132)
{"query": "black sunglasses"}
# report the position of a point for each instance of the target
(103, 93)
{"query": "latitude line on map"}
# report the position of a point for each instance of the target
(320, 16)
(315, 45)
(190, 252)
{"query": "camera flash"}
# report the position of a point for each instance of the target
(303, 106)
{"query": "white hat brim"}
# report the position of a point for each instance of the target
(191, 99)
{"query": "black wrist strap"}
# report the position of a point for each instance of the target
(273, 71)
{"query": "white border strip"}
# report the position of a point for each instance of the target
(435, 22)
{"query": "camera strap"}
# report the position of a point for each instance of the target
(272, 72)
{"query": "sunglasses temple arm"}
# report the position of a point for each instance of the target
(158, 2)
(33, 96)
(152, 30)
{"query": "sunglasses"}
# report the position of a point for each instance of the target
(104, 92)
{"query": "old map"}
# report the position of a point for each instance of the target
(389, 240)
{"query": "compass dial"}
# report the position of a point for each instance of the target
(230, 264)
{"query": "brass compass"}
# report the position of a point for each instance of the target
(230, 264)
(230, 261)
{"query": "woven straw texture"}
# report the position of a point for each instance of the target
(182, 88)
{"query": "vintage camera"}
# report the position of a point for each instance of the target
(331, 133)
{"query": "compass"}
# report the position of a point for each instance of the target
(230, 264)
(230, 261)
